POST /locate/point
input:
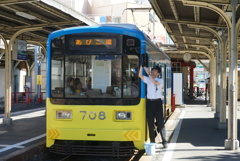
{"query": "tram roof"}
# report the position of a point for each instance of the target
(48, 14)
(123, 25)
(183, 23)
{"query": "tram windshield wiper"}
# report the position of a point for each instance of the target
(89, 98)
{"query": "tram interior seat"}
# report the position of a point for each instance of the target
(94, 92)
(58, 89)
(110, 89)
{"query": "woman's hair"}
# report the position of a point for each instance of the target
(77, 80)
(69, 79)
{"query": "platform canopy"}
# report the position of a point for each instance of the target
(185, 21)
(48, 14)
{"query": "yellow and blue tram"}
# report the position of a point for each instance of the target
(106, 116)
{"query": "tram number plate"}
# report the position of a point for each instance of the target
(93, 115)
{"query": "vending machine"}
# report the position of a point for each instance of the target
(178, 88)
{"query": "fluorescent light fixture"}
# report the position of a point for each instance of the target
(26, 15)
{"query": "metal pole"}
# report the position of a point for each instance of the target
(218, 57)
(36, 51)
(39, 86)
(232, 143)
(37, 75)
(8, 72)
(7, 120)
(222, 124)
(154, 37)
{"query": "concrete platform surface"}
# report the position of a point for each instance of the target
(196, 137)
(28, 127)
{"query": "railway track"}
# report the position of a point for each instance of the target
(54, 157)
(39, 152)
(80, 158)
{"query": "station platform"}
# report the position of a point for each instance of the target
(28, 128)
(192, 132)
(194, 135)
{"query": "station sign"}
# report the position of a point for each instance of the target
(39, 79)
(19, 50)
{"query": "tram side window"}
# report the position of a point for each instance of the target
(168, 79)
(57, 77)
(130, 76)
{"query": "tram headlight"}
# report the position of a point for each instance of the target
(123, 115)
(62, 114)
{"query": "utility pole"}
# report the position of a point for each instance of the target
(39, 57)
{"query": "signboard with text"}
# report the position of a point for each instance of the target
(19, 50)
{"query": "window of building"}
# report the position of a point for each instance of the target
(176, 66)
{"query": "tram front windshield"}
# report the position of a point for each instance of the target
(104, 79)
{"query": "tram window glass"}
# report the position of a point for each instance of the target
(102, 77)
(168, 77)
(130, 76)
(57, 76)
(162, 70)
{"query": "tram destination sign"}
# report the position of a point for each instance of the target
(90, 43)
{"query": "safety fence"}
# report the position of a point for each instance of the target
(27, 97)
